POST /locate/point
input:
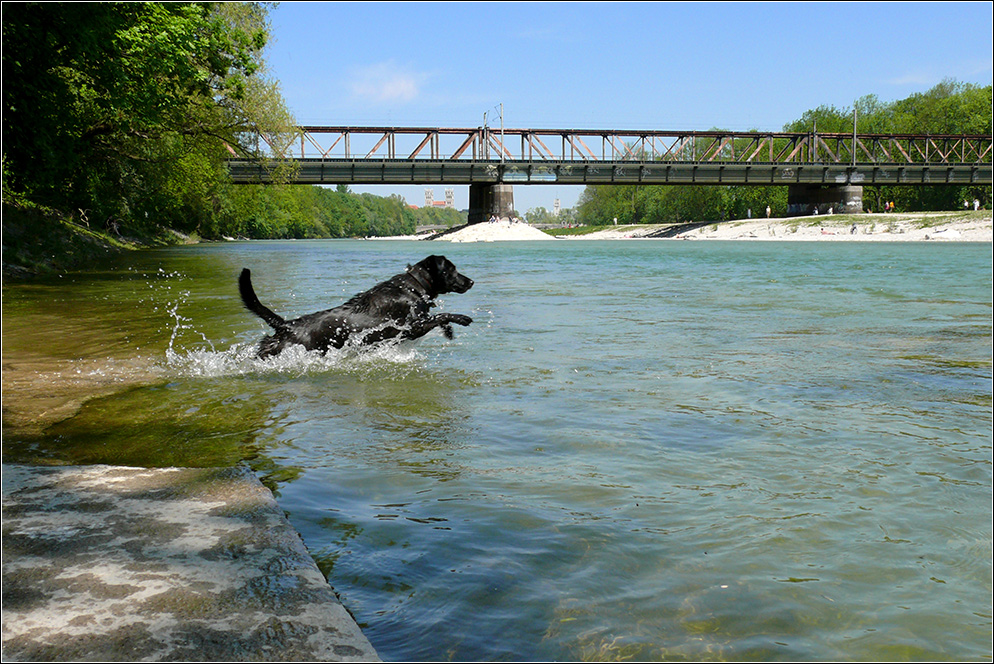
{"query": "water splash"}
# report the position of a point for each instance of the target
(181, 323)
(241, 359)
(201, 358)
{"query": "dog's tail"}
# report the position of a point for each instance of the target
(252, 302)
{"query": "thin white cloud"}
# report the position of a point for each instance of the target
(928, 76)
(914, 78)
(387, 83)
(550, 35)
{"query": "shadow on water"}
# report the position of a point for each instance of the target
(205, 408)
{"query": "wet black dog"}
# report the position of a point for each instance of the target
(395, 308)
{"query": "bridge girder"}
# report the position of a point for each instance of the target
(406, 171)
(482, 155)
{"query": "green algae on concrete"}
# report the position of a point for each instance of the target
(110, 563)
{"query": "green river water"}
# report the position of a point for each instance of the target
(646, 450)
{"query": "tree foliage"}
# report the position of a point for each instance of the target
(125, 111)
(602, 205)
(292, 211)
(949, 107)
(123, 114)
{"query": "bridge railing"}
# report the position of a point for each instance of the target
(590, 146)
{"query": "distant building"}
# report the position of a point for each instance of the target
(449, 202)
(555, 208)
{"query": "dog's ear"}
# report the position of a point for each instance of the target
(431, 264)
(441, 263)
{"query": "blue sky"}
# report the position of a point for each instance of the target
(670, 66)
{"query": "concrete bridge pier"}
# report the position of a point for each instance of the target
(804, 199)
(490, 200)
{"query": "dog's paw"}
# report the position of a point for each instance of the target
(447, 331)
(459, 319)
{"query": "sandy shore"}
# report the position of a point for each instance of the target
(924, 226)
(897, 227)
(499, 231)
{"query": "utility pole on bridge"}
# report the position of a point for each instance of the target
(491, 200)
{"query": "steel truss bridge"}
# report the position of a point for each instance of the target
(490, 156)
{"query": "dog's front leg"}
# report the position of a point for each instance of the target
(422, 327)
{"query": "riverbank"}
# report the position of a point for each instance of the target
(38, 240)
(493, 231)
(897, 227)
(909, 227)
(112, 563)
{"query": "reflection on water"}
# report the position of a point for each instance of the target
(639, 450)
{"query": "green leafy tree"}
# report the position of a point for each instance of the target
(127, 109)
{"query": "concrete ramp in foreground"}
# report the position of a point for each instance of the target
(109, 563)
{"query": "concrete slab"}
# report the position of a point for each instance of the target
(106, 563)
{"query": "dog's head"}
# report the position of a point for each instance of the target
(443, 275)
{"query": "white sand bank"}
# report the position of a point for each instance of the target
(498, 231)
(896, 227)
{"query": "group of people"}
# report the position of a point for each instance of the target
(889, 206)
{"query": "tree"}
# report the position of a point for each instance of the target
(107, 104)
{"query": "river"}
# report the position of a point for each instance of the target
(641, 450)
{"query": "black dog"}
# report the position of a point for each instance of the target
(397, 307)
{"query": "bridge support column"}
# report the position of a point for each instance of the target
(803, 199)
(490, 200)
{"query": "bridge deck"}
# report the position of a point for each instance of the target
(394, 155)
(400, 171)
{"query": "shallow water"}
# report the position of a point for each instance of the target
(639, 450)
